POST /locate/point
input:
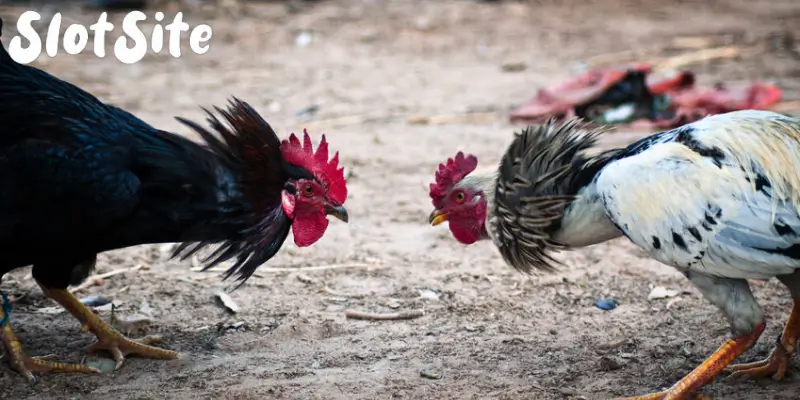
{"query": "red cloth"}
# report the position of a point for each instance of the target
(610, 87)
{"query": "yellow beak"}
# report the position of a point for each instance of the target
(437, 217)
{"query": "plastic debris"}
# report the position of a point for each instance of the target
(606, 304)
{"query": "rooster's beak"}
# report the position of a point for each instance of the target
(337, 211)
(437, 217)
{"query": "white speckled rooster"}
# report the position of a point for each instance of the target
(718, 199)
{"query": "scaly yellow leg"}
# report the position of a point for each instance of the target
(25, 365)
(107, 337)
(704, 373)
(778, 359)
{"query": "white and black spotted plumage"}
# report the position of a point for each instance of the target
(701, 199)
(718, 199)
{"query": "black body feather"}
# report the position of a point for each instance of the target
(81, 177)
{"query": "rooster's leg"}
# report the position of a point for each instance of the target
(24, 364)
(778, 359)
(107, 337)
(705, 372)
(734, 298)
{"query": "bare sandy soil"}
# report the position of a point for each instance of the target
(372, 68)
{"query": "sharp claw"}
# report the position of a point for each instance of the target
(26, 366)
(120, 347)
(148, 340)
(31, 379)
(108, 338)
(118, 357)
(774, 365)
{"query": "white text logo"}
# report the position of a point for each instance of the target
(76, 37)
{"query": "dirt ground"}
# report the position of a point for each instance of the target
(370, 69)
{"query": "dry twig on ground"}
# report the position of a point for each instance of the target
(354, 314)
(97, 279)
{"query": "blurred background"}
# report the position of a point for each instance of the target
(399, 86)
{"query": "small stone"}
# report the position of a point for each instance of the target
(95, 301)
(50, 310)
(660, 292)
(274, 106)
(514, 340)
(226, 301)
(608, 364)
(303, 39)
(430, 374)
(308, 112)
(105, 365)
(145, 309)
(429, 294)
(514, 67)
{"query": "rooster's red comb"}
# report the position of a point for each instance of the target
(449, 174)
(302, 155)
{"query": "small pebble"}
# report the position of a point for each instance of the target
(608, 364)
(303, 39)
(568, 391)
(514, 67)
(105, 365)
(305, 279)
(514, 340)
(430, 374)
(226, 301)
(308, 112)
(95, 301)
(606, 304)
(274, 106)
(429, 294)
(660, 292)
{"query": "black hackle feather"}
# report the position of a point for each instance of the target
(539, 176)
(250, 147)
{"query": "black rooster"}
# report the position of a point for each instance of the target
(80, 177)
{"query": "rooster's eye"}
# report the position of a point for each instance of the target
(308, 190)
(460, 197)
